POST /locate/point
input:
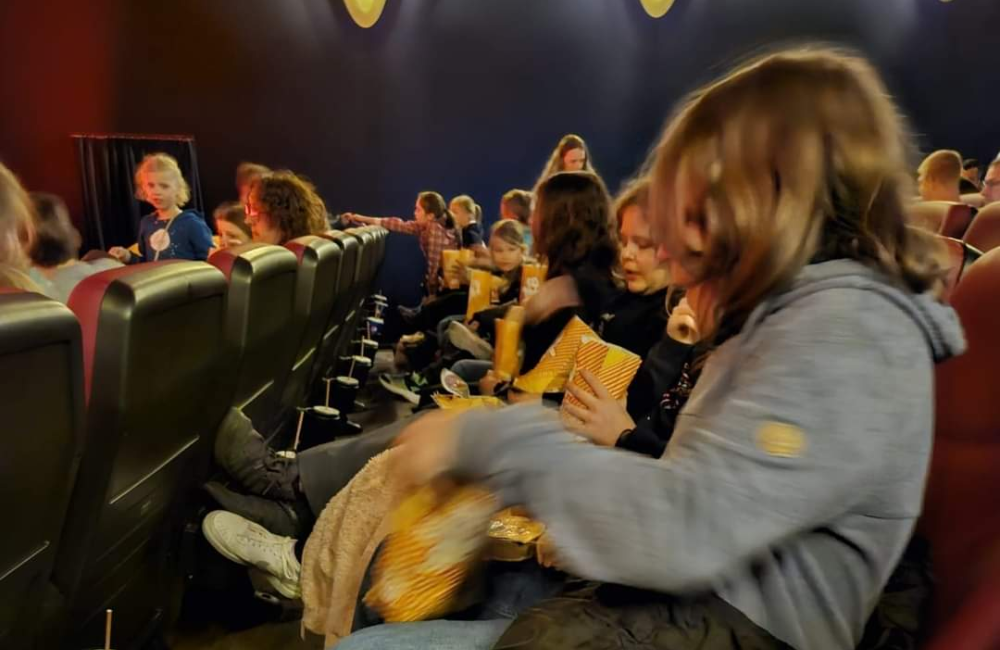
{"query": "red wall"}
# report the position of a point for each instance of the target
(58, 79)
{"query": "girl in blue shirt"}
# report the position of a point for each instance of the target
(168, 233)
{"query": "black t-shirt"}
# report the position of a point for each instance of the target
(472, 235)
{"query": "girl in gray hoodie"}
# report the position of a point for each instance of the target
(796, 470)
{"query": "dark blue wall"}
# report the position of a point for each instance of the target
(468, 96)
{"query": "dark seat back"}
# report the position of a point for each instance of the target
(316, 290)
(262, 328)
(984, 233)
(337, 330)
(155, 388)
(366, 271)
(41, 401)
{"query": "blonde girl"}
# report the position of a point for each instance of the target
(169, 232)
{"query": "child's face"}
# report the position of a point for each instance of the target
(419, 214)
(229, 234)
(506, 256)
(644, 272)
(574, 160)
(505, 211)
(160, 189)
(462, 216)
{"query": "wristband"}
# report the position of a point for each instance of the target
(622, 436)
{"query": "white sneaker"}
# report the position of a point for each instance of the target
(244, 542)
(465, 339)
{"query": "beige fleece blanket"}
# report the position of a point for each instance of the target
(341, 546)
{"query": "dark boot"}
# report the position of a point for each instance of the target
(279, 517)
(247, 457)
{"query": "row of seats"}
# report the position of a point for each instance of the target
(112, 404)
(956, 220)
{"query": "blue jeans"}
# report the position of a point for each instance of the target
(472, 370)
(425, 635)
(511, 588)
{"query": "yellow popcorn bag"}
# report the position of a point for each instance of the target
(434, 541)
(532, 277)
(480, 293)
(513, 536)
(615, 367)
(450, 268)
(553, 371)
(506, 348)
(454, 403)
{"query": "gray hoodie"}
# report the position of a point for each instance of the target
(794, 476)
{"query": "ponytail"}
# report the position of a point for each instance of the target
(478, 213)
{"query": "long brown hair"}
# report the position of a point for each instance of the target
(567, 143)
(575, 225)
(796, 157)
(434, 204)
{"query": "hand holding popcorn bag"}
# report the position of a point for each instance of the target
(555, 366)
(614, 367)
(437, 536)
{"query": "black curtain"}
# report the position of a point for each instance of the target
(107, 166)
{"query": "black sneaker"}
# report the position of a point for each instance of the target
(247, 457)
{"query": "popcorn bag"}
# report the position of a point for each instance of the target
(453, 403)
(434, 541)
(450, 268)
(615, 367)
(480, 290)
(513, 536)
(506, 349)
(553, 371)
(532, 277)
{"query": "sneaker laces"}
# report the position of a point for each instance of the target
(274, 553)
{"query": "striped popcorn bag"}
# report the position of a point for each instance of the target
(437, 536)
(552, 372)
(615, 367)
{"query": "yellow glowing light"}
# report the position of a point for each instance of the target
(365, 12)
(657, 8)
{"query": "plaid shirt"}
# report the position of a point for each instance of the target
(434, 239)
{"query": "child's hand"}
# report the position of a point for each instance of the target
(426, 448)
(121, 254)
(351, 217)
(603, 419)
(545, 551)
(488, 384)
